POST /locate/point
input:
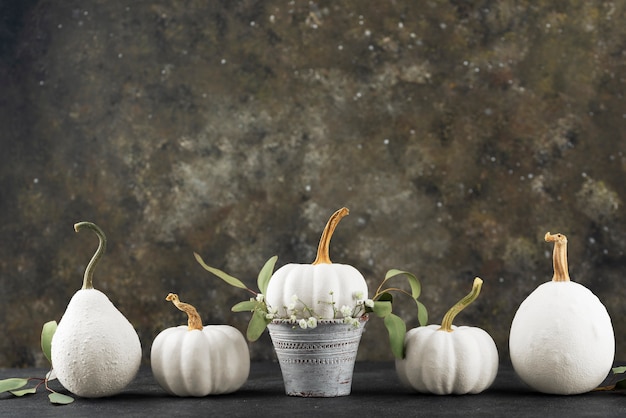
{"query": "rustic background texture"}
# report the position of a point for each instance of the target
(458, 133)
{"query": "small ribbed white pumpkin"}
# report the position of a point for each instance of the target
(445, 359)
(196, 360)
(322, 286)
(562, 340)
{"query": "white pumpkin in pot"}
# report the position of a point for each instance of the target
(196, 360)
(562, 340)
(323, 287)
(445, 359)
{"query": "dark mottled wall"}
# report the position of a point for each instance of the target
(458, 133)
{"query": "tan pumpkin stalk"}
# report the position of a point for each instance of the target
(194, 321)
(197, 360)
(323, 249)
(559, 257)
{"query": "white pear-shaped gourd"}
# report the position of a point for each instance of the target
(445, 359)
(196, 360)
(95, 350)
(322, 286)
(562, 340)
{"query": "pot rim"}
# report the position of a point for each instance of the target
(338, 321)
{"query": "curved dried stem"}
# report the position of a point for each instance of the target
(194, 322)
(559, 257)
(323, 248)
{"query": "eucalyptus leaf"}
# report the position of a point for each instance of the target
(385, 297)
(416, 287)
(257, 325)
(13, 383)
(397, 331)
(24, 391)
(48, 330)
(382, 308)
(266, 274)
(422, 313)
(618, 370)
(245, 306)
(621, 385)
(233, 281)
(60, 399)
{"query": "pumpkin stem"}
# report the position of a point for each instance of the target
(102, 244)
(559, 257)
(323, 256)
(194, 321)
(446, 324)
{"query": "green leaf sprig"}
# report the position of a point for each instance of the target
(256, 304)
(617, 381)
(14, 385)
(382, 302)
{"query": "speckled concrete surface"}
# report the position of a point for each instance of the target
(458, 134)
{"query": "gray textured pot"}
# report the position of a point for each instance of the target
(317, 362)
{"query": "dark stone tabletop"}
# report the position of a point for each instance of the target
(376, 391)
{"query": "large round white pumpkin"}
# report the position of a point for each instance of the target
(561, 339)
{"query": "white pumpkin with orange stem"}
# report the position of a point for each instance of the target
(562, 340)
(197, 360)
(323, 287)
